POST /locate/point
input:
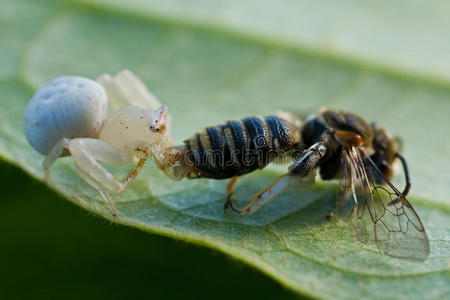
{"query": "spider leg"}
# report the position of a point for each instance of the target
(52, 156)
(126, 89)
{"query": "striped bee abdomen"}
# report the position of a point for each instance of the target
(239, 147)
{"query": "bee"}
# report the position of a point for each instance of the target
(341, 145)
(234, 149)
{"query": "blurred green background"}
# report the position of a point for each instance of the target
(51, 249)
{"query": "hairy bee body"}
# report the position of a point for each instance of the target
(240, 147)
(379, 144)
(340, 145)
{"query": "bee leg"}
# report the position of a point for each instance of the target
(93, 183)
(230, 189)
(407, 179)
(308, 161)
(300, 168)
(266, 195)
(342, 199)
(330, 216)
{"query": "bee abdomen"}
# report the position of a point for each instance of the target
(239, 147)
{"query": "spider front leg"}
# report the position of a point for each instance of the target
(302, 168)
(87, 153)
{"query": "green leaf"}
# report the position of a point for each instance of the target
(212, 63)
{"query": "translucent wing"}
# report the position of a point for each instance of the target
(382, 214)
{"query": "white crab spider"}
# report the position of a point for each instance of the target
(69, 116)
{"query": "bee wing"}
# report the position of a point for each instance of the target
(351, 188)
(382, 214)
